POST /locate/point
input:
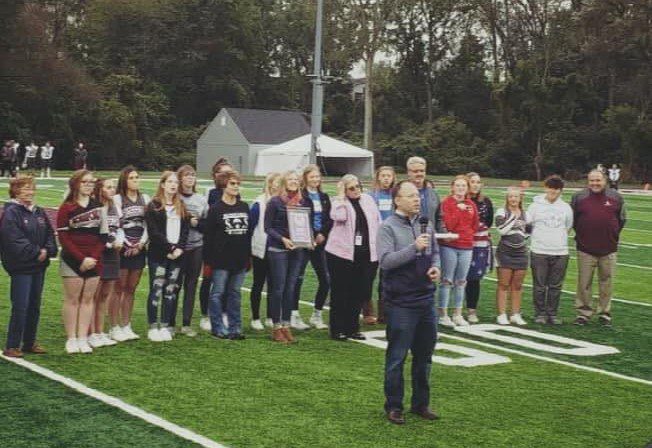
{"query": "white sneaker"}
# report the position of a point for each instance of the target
(269, 323)
(460, 321)
(72, 346)
(502, 319)
(117, 334)
(225, 320)
(296, 322)
(317, 322)
(95, 341)
(129, 333)
(106, 340)
(205, 323)
(446, 321)
(154, 335)
(83, 346)
(165, 334)
(257, 325)
(188, 331)
(517, 319)
(472, 319)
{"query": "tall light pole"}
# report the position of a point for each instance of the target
(317, 88)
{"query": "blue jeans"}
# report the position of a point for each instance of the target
(317, 258)
(455, 265)
(164, 277)
(26, 291)
(226, 284)
(411, 329)
(284, 270)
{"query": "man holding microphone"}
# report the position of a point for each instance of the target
(409, 258)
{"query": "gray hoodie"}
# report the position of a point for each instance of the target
(550, 225)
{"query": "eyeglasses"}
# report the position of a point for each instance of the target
(354, 187)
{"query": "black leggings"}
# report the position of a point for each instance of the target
(261, 273)
(472, 293)
(190, 270)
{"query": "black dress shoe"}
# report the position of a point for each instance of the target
(339, 337)
(357, 336)
(396, 417)
(425, 413)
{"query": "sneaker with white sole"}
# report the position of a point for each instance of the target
(83, 346)
(517, 319)
(296, 322)
(164, 334)
(317, 322)
(472, 318)
(269, 323)
(188, 331)
(502, 319)
(117, 334)
(72, 346)
(106, 340)
(257, 325)
(95, 341)
(460, 321)
(205, 323)
(446, 321)
(154, 335)
(129, 333)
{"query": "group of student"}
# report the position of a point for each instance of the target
(109, 231)
(31, 157)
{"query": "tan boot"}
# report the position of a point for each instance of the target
(288, 335)
(279, 336)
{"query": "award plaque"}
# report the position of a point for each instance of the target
(300, 227)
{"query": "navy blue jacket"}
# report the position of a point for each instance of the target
(23, 233)
(276, 221)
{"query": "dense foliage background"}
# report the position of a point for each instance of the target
(518, 88)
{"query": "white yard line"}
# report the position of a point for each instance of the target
(155, 420)
(630, 302)
(552, 360)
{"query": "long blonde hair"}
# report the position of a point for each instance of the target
(159, 197)
(465, 178)
(304, 176)
(520, 195)
(270, 180)
(283, 191)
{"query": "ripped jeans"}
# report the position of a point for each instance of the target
(164, 279)
(455, 265)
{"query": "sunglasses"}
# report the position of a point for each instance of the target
(354, 187)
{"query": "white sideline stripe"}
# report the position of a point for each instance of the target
(552, 360)
(627, 265)
(630, 302)
(155, 420)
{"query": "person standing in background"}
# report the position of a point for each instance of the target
(31, 157)
(482, 259)
(80, 156)
(322, 224)
(7, 156)
(113, 237)
(27, 243)
(227, 250)
(352, 257)
(131, 205)
(258, 250)
(598, 218)
(47, 156)
(191, 262)
(614, 176)
(384, 181)
(409, 258)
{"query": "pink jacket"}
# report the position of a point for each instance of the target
(341, 238)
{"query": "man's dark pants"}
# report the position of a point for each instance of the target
(411, 329)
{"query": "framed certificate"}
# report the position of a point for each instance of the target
(300, 227)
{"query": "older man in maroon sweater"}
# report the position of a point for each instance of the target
(599, 218)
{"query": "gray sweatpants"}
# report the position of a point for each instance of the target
(548, 272)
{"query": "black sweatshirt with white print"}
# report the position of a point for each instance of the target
(227, 239)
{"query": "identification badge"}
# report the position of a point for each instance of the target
(317, 206)
(384, 205)
(358, 239)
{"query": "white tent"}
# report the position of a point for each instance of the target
(337, 157)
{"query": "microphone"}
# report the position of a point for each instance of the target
(423, 224)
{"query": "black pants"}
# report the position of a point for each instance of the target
(8, 168)
(317, 258)
(261, 274)
(472, 294)
(190, 270)
(351, 284)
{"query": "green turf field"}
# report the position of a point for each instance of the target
(321, 393)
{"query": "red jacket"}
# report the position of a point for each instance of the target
(463, 222)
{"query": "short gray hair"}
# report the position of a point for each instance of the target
(415, 160)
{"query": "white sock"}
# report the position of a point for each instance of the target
(316, 313)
